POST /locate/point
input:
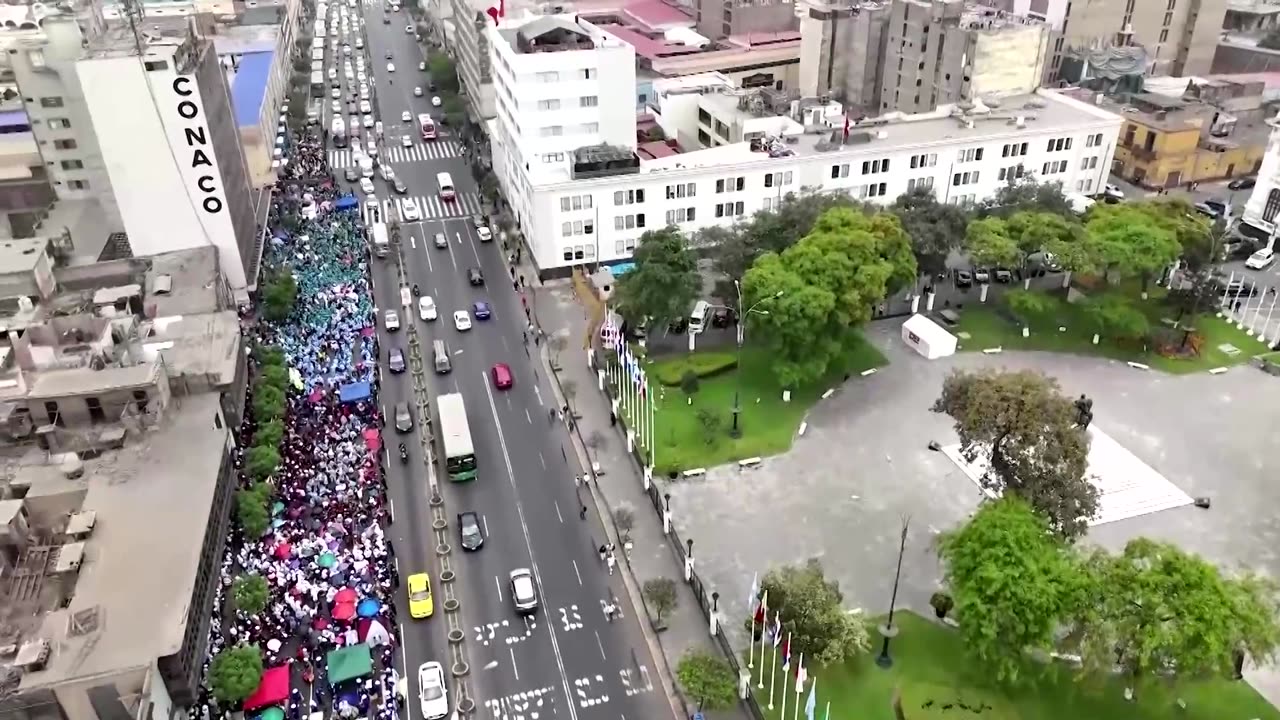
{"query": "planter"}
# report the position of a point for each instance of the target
(942, 604)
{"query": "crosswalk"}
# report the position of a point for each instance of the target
(430, 207)
(421, 152)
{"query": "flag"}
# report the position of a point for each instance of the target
(753, 595)
(786, 655)
(759, 617)
(846, 127)
(801, 673)
(811, 704)
(777, 626)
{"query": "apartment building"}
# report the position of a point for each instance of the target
(722, 18)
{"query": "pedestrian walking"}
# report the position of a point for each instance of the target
(603, 553)
(582, 514)
(612, 561)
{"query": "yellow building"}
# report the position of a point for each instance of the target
(1166, 142)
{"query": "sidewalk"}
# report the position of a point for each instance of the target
(561, 311)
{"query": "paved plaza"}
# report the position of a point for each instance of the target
(863, 464)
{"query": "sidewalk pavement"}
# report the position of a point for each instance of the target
(562, 311)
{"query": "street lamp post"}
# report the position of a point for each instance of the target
(736, 430)
(888, 631)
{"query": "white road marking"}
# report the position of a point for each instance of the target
(413, 241)
(542, 460)
(484, 519)
(427, 252)
(527, 416)
(528, 542)
(600, 645)
(577, 572)
(453, 260)
(514, 668)
(538, 393)
(558, 513)
(391, 509)
(498, 582)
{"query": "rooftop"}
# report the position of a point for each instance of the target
(163, 35)
(205, 344)
(250, 87)
(130, 601)
(84, 381)
(21, 255)
(240, 39)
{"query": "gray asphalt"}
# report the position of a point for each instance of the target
(569, 661)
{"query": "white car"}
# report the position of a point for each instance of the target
(361, 77)
(417, 92)
(427, 308)
(484, 233)
(391, 67)
(432, 693)
(406, 116)
(366, 186)
(462, 320)
(336, 107)
(386, 173)
(408, 29)
(368, 121)
(366, 107)
(409, 208)
(391, 321)
(336, 93)
(1260, 259)
(435, 101)
(406, 141)
(422, 65)
(372, 148)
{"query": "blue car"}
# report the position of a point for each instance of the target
(482, 311)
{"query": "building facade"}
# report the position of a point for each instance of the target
(597, 210)
(1259, 217)
(722, 18)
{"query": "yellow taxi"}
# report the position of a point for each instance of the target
(421, 604)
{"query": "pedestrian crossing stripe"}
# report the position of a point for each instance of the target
(430, 207)
(419, 152)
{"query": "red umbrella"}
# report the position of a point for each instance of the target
(283, 550)
(344, 611)
(320, 623)
(346, 595)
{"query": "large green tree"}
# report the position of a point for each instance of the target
(1157, 611)
(235, 673)
(664, 283)
(250, 594)
(820, 290)
(734, 249)
(707, 679)
(1036, 231)
(1027, 194)
(988, 243)
(1019, 428)
(1131, 240)
(813, 613)
(1116, 317)
(935, 228)
(1012, 581)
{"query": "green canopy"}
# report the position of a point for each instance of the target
(275, 712)
(349, 663)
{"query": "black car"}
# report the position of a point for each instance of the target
(1242, 183)
(395, 360)
(474, 276)
(442, 242)
(400, 187)
(964, 279)
(678, 326)
(722, 317)
(1003, 276)
(431, 86)
(351, 175)
(469, 530)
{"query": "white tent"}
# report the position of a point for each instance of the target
(928, 337)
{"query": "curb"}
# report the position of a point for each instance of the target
(665, 673)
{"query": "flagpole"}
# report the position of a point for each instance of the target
(785, 674)
(653, 447)
(773, 673)
(638, 379)
(764, 604)
(828, 715)
(751, 651)
(795, 714)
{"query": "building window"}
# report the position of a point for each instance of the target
(1089, 163)
(1093, 140)
(969, 155)
(1053, 168)
(681, 190)
(53, 101)
(1013, 172)
(592, 127)
(67, 144)
(72, 165)
(732, 184)
(923, 161)
(593, 101)
(587, 74)
(839, 171)
(873, 190)
(777, 179)
(871, 167)
(1058, 144)
(552, 131)
(78, 184)
(552, 104)
(679, 215)
(1272, 207)
(553, 158)
(1085, 186)
(577, 227)
(628, 222)
(548, 77)
(628, 197)
(730, 209)
(964, 178)
(575, 202)
(58, 123)
(1013, 150)
(153, 65)
(924, 183)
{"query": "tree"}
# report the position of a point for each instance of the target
(988, 243)
(455, 111)
(661, 595)
(819, 291)
(1199, 238)
(663, 284)
(711, 422)
(733, 250)
(261, 462)
(1022, 434)
(1028, 194)
(234, 673)
(279, 298)
(708, 679)
(1026, 304)
(250, 594)
(1157, 611)
(269, 355)
(596, 440)
(443, 72)
(1128, 240)
(812, 610)
(277, 376)
(1012, 582)
(624, 517)
(268, 403)
(1035, 231)
(251, 510)
(935, 228)
(269, 433)
(557, 344)
(1116, 317)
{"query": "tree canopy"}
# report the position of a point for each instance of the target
(1132, 240)
(708, 679)
(234, 673)
(735, 249)
(1027, 193)
(663, 284)
(824, 287)
(1012, 582)
(935, 228)
(250, 594)
(1024, 431)
(813, 614)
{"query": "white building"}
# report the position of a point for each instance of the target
(559, 84)
(594, 206)
(1259, 217)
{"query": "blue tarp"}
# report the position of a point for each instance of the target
(249, 89)
(346, 202)
(13, 118)
(355, 392)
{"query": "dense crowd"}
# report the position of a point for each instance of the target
(326, 558)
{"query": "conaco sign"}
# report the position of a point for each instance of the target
(197, 137)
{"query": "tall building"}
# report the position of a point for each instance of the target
(139, 136)
(560, 84)
(722, 18)
(843, 49)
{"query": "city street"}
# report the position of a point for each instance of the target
(568, 659)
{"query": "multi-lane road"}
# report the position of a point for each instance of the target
(569, 660)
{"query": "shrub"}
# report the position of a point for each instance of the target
(704, 365)
(252, 511)
(689, 383)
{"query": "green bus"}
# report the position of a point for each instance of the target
(459, 452)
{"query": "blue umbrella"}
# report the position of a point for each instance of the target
(368, 607)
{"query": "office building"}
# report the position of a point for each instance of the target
(121, 385)
(722, 18)
(843, 50)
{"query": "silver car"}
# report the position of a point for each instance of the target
(523, 593)
(404, 417)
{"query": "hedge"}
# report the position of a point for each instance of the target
(703, 364)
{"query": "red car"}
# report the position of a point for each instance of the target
(502, 376)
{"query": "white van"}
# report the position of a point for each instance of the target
(698, 316)
(447, 190)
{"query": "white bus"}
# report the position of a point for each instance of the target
(459, 453)
(447, 190)
(381, 242)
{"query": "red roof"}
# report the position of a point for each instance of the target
(656, 13)
(655, 150)
(272, 689)
(646, 46)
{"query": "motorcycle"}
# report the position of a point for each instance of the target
(416, 292)
(404, 454)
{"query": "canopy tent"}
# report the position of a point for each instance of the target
(355, 392)
(349, 663)
(346, 202)
(272, 689)
(928, 337)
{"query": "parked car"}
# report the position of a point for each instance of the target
(964, 279)
(1003, 275)
(1242, 183)
(981, 275)
(1260, 259)
(722, 317)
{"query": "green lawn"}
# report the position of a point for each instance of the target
(1067, 328)
(768, 424)
(929, 665)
